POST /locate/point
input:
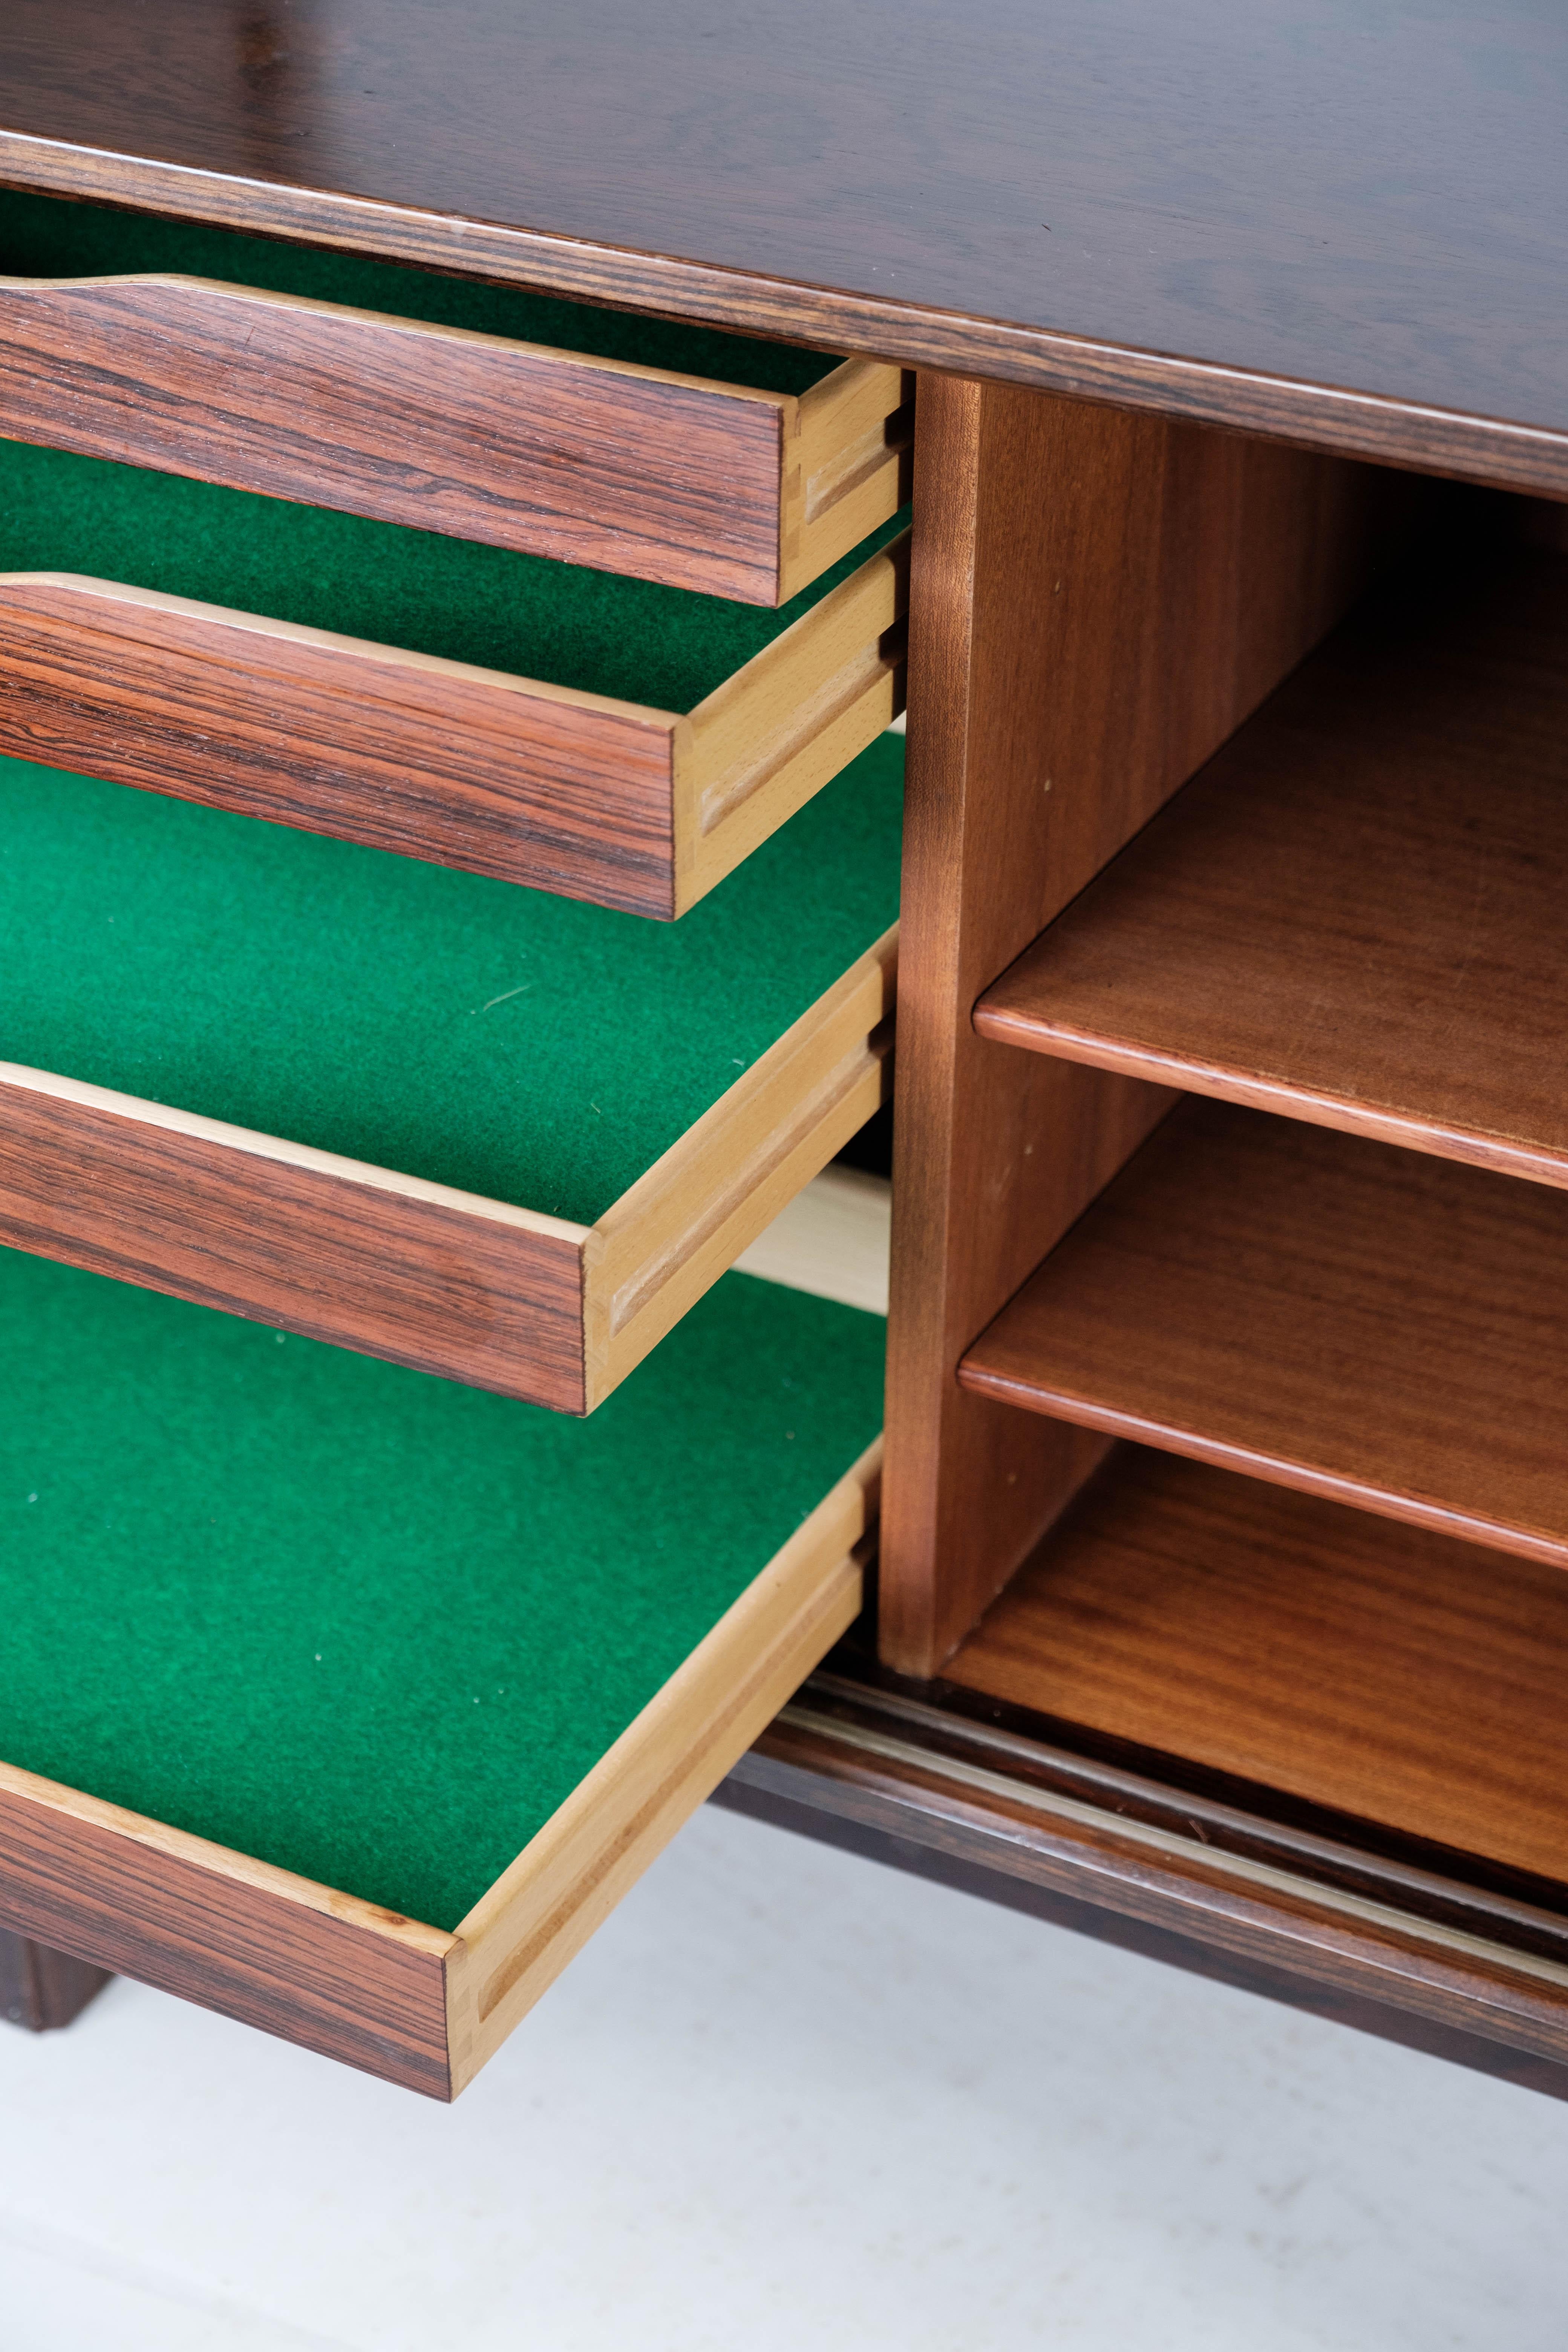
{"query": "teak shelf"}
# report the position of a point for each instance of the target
(1354, 914)
(1339, 1315)
(1234, 794)
(659, 472)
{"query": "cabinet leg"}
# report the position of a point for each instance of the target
(39, 1987)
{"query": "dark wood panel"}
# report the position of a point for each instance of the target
(671, 481)
(41, 1988)
(1271, 224)
(1354, 915)
(374, 1999)
(803, 1792)
(1094, 602)
(905, 1777)
(1343, 1315)
(430, 760)
(298, 1242)
(1383, 1670)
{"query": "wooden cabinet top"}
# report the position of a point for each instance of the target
(1342, 224)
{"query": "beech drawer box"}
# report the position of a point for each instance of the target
(350, 1703)
(499, 1135)
(669, 453)
(374, 688)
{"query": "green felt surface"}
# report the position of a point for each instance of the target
(531, 1048)
(45, 236)
(360, 1623)
(380, 581)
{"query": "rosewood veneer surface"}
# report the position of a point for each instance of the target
(1271, 221)
(611, 738)
(1343, 1315)
(491, 1132)
(1355, 913)
(667, 452)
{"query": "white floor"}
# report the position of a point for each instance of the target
(786, 2100)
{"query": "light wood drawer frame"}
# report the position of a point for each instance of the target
(635, 469)
(629, 806)
(409, 2003)
(472, 1289)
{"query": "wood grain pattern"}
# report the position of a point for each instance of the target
(1104, 200)
(1384, 1672)
(317, 1967)
(510, 777)
(623, 804)
(1344, 1317)
(471, 1290)
(567, 1880)
(1354, 915)
(42, 1990)
(1095, 601)
(912, 1779)
(591, 461)
(475, 1290)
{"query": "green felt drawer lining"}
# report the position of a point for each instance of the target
(44, 236)
(528, 1048)
(524, 614)
(359, 1622)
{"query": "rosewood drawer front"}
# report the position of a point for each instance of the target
(487, 1132)
(661, 472)
(447, 1672)
(549, 780)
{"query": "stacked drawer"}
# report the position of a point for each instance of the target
(451, 848)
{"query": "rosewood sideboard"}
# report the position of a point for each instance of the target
(479, 489)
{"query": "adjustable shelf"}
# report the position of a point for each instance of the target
(1354, 914)
(502, 1136)
(597, 737)
(669, 453)
(1381, 1672)
(349, 1701)
(1332, 1313)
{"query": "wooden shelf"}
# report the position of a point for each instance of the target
(1354, 914)
(324, 378)
(1339, 1315)
(350, 1704)
(1383, 1672)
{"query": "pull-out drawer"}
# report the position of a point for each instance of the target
(349, 1702)
(598, 736)
(504, 1137)
(669, 453)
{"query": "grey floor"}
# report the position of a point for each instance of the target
(787, 2099)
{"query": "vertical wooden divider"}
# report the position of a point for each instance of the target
(1096, 601)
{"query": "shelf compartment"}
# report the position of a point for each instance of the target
(1336, 1314)
(669, 453)
(1353, 914)
(487, 710)
(1264, 1735)
(499, 1135)
(348, 1702)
